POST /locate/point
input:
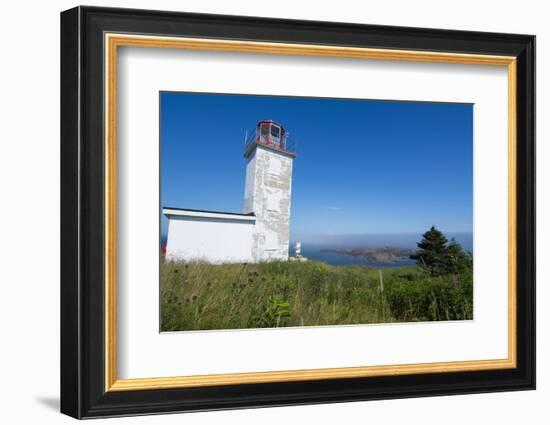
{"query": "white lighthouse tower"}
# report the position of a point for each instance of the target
(268, 190)
(261, 232)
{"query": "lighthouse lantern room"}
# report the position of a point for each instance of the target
(271, 134)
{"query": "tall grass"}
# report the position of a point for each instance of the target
(278, 294)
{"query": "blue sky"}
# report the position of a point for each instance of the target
(362, 166)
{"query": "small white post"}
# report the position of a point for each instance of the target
(381, 280)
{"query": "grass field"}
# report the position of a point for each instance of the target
(200, 296)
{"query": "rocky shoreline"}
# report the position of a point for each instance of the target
(385, 255)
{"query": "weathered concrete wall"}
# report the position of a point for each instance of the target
(209, 239)
(268, 193)
(250, 185)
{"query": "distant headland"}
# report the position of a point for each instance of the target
(385, 254)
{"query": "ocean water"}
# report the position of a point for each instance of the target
(336, 259)
(314, 250)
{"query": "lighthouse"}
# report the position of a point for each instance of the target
(268, 189)
(261, 231)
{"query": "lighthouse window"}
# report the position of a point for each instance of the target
(275, 131)
(264, 130)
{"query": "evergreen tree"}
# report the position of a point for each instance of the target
(456, 259)
(432, 252)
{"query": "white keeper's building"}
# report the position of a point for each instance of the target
(261, 231)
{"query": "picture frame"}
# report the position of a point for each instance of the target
(90, 40)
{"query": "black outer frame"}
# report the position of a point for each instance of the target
(82, 218)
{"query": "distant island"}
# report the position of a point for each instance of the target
(386, 254)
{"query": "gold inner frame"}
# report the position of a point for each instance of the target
(113, 41)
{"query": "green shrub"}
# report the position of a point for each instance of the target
(442, 298)
(273, 312)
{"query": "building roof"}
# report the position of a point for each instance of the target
(271, 122)
(251, 146)
(187, 212)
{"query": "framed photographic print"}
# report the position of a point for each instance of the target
(261, 212)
